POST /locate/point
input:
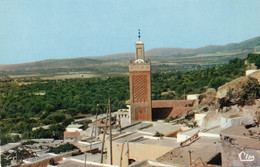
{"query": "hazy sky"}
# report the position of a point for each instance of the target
(33, 30)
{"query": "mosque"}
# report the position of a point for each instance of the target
(142, 107)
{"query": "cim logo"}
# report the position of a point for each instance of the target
(244, 157)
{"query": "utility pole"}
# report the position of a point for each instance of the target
(110, 133)
(119, 123)
(16, 156)
(91, 137)
(96, 121)
(190, 157)
(85, 159)
(184, 94)
(103, 142)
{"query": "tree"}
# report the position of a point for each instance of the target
(251, 91)
(257, 62)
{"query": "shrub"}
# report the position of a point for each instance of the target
(251, 91)
(62, 148)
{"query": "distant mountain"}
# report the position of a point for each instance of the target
(163, 59)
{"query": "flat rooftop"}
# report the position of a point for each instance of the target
(190, 132)
(161, 127)
(141, 138)
(79, 162)
(242, 136)
(40, 158)
(8, 147)
(137, 126)
(165, 141)
(72, 163)
(203, 149)
(127, 137)
(89, 157)
(149, 163)
(74, 126)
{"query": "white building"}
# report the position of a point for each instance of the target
(74, 128)
(123, 118)
(248, 72)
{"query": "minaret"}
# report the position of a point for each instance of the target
(139, 48)
(140, 85)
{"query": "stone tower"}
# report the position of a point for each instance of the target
(140, 85)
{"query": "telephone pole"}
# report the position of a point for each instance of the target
(104, 134)
(110, 133)
(190, 157)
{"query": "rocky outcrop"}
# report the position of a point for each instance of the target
(206, 101)
(229, 102)
(231, 88)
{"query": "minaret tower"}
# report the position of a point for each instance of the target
(140, 85)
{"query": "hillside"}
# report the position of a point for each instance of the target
(164, 59)
(239, 98)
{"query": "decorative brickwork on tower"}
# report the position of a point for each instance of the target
(140, 86)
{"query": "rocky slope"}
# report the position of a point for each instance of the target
(238, 99)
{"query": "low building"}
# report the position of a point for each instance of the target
(164, 109)
(123, 118)
(147, 163)
(201, 152)
(142, 141)
(249, 72)
(43, 127)
(193, 97)
(73, 131)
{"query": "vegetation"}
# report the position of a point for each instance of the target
(158, 134)
(52, 162)
(197, 81)
(254, 58)
(57, 103)
(7, 138)
(19, 153)
(251, 91)
(29, 142)
(62, 148)
(55, 131)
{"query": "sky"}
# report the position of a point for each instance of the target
(33, 30)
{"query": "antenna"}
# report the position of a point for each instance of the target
(139, 34)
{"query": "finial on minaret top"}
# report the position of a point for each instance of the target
(139, 47)
(139, 35)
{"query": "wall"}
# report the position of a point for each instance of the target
(71, 135)
(163, 109)
(73, 130)
(124, 119)
(137, 151)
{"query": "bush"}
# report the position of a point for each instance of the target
(62, 148)
(29, 142)
(251, 91)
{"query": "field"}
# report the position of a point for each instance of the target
(59, 76)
